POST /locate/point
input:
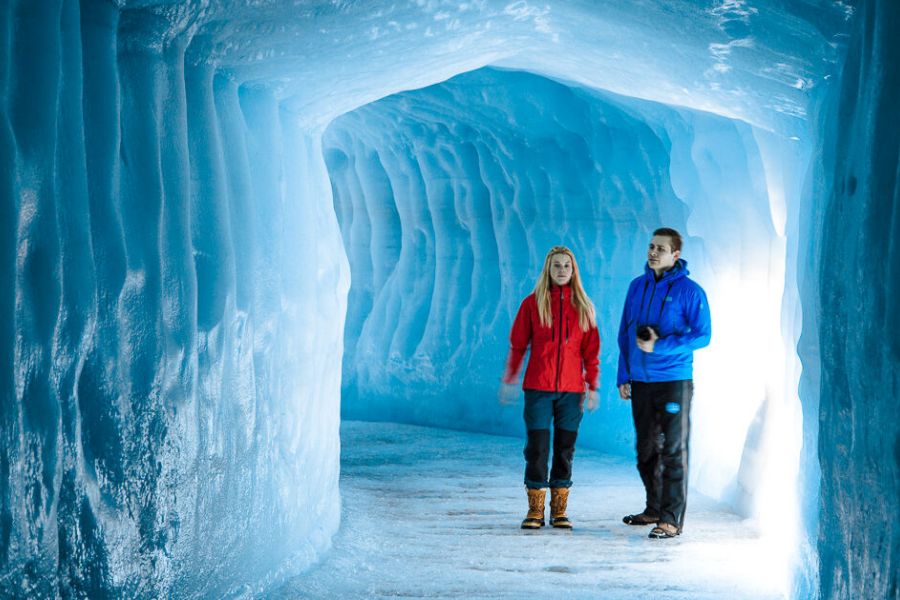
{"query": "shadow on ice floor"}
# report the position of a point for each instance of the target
(430, 513)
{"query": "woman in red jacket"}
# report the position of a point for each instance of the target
(558, 321)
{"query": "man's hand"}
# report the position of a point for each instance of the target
(508, 394)
(625, 391)
(647, 345)
(591, 400)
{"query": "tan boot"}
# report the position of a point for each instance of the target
(559, 497)
(535, 517)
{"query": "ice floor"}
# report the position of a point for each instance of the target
(430, 513)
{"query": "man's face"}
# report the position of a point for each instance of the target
(659, 255)
(560, 269)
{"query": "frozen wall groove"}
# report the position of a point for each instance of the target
(171, 423)
(472, 208)
(859, 269)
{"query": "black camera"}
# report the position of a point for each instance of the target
(643, 332)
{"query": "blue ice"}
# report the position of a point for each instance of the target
(227, 226)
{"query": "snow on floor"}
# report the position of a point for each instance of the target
(431, 513)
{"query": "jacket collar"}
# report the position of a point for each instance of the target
(678, 271)
(566, 290)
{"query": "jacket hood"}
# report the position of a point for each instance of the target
(676, 272)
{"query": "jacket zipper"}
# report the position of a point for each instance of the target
(649, 306)
(662, 307)
(559, 344)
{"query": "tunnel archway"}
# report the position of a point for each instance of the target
(449, 196)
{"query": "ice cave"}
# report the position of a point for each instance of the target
(260, 260)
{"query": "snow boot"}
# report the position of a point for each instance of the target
(559, 497)
(535, 517)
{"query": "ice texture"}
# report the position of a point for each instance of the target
(853, 318)
(449, 197)
(174, 280)
(172, 319)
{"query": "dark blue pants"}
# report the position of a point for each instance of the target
(662, 422)
(562, 411)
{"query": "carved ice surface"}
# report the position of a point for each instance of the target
(197, 197)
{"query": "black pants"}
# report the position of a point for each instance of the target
(562, 410)
(662, 421)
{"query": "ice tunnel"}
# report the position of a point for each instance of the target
(229, 225)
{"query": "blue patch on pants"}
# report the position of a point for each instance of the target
(673, 408)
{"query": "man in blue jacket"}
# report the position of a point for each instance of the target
(666, 318)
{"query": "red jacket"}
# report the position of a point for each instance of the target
(563, 357)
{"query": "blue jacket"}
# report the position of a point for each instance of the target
(678, 309)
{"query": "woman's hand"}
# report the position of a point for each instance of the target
(625, 391)
(591, 400)
(508, 394)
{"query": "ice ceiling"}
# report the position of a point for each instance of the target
(754, 61)
(188, 182)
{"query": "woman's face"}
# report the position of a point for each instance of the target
(560, 269)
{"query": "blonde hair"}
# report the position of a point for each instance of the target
(579, 299)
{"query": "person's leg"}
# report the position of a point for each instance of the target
(538, 417)
(567, 413)
(648, 446)
(675, 406)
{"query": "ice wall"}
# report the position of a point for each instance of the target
(448, 200)
(858, 269)
(172, 317)
(449, 197)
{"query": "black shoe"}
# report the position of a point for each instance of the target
(640, 519)
(664, 531)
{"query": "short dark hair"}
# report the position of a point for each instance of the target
(672, 235)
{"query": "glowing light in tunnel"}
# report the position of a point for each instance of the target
(748, 411)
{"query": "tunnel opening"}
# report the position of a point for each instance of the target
(447, 198)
